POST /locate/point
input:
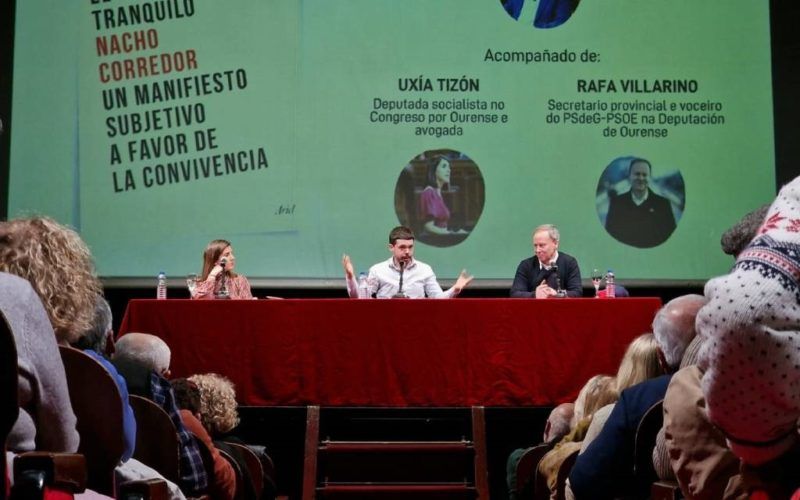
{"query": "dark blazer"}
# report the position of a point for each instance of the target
(642, 226)
(530, 274)
(605, 468)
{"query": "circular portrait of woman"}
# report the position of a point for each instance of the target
(541, 13)
(637, 204)
(440, 195)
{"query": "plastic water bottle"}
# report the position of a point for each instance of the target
(363, 286)
(161, 287)
(611, 292)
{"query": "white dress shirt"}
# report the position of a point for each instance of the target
(419, 281)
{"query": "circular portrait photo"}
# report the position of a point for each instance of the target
(439, 195)
(638, 204)
(541, 13)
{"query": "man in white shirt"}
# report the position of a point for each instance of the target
(418, 279)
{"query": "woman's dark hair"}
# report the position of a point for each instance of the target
(433, 162)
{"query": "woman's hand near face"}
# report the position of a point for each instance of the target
(215, 272)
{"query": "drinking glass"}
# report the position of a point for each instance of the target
(597, 276)
(191, 283)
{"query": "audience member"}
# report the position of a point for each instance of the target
(218, 408)
(58, 265)
(143, 360)
(558, 423)
(598, 392)
(187, 396)
(557, 426)
(549, 271)
(218, 279)
(94, 343)
(605, 468)
(46, 420)
(639, 363)
(689, 449)
(418, 279)
(750, 355)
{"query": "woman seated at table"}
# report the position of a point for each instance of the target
(218, 281)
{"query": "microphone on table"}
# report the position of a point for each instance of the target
(400, 294)
(559, 291)
(222, 293)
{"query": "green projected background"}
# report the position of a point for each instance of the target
(302, 130)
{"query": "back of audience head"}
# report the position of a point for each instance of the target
(639, 363)
(599, 391)
(59, 266)
(558, 422)
(144, 350)
(99, 337)
(674, 328)
(738, 236)
(187, 395)
(218, 408)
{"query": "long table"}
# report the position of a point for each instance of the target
(341, 352)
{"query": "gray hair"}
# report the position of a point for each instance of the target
(95, 338)
(674, 328)
(145, 350)
(551, 229)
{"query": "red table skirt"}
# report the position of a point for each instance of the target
(459, 352)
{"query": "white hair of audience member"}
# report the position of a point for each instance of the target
(145, 349)
(674, 327)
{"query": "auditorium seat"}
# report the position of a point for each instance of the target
(253, 464)
(97, 405)
(526, 469)
(157, 443)
(563, 474)
(146, 489)
(652, 421)
(8, 386)
(665, 490)
(426, 466)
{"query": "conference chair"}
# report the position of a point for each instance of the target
(526, 469)
(157, 443)
(97, 404)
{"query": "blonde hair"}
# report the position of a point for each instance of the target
(218, 411)
(599, 391)
(639, 363)
(59, 266)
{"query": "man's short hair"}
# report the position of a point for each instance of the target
(400, 233)
(639, 160)
(674, 327)
(144, 350)
(95, 339)
(551, 229)
(735, 239)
